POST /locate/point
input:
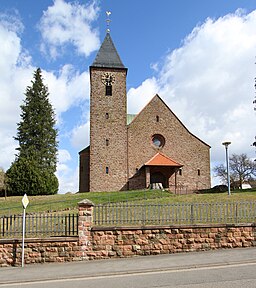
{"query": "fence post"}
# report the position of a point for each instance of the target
(192, 213)
(85, 220)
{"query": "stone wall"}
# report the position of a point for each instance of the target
(127, 242)
(180, 145)
(59, 249)
(84, 170)
(110, 242)
(131, 241)
(108, 134)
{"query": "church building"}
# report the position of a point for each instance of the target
(128, 152)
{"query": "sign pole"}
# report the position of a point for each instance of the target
(23, 236)
(25, 202)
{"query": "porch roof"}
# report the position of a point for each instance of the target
(162, 160)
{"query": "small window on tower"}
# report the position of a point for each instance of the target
(109, 90)
(107, 170)
(157, 118)
(108, 79)
(107, 116)
(107, 142)
(180, 172)
(198, 172)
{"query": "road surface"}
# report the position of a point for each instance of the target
(223, 268)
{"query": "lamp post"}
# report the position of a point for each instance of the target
(228, 178)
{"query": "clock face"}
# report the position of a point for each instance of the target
(108, 79)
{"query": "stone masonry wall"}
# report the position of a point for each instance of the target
(111, 242)
(110, 155)
(84, 170)
(127, 242)
(180, 145)
(39, 251)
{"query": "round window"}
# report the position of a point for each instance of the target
(158, 140)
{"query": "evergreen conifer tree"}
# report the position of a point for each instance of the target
(33, 169)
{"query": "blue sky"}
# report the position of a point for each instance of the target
(199, 56)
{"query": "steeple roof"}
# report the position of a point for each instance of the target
(107, 56)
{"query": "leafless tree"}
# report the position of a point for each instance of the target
(241, 169)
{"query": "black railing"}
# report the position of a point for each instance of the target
(179, 213)
(39, 225)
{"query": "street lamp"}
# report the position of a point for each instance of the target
(226, 147)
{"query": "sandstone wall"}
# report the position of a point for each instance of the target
(84, 170)
(111, 128)
(110, 242)
(180, 145)
(126, 242)
(39, 251)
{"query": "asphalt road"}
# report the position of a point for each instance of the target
(222, 268)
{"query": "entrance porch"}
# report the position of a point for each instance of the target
(159, 169)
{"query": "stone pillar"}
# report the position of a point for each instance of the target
(85, 214)
(147, 177)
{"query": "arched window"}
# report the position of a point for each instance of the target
(157, 118)
(109, 90)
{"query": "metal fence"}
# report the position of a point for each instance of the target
(125, 213)
(42, 225)
(181, 213)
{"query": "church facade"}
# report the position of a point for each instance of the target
(128, 152)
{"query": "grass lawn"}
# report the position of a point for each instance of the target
(68, 202)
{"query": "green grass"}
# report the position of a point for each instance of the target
(68, 202)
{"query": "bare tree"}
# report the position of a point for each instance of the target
(241, 169)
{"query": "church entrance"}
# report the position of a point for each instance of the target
(158, 177)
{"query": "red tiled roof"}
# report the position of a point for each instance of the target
(161, 160)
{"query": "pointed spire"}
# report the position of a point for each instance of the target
(107, 56)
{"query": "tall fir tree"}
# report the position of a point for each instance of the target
(33, 169)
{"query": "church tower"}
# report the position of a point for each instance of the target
(108, 127)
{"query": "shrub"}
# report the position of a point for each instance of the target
(215, 189)
(24, 176)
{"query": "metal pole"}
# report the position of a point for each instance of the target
(227, 157)
(227, 161)
(23, 237)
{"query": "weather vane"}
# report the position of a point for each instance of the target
(108, 20)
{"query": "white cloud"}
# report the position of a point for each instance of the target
(140, 96)
(80, 136)
(67, 89)
(11, 22)
(208, 82)
(65, 23)
(68, 178)
(63, 156)
(15, 73)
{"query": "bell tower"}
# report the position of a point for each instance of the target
(108, 127)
